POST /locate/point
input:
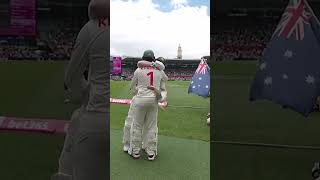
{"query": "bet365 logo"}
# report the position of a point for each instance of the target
(316, 171)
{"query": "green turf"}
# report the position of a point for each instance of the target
(35, 89)
(234, 68)
(179, 159)
(237, 119)
(31, 89)
(175, 121)
(29, 156)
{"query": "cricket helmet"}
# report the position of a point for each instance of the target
(161, 59)
(148, 55)
(99, 9)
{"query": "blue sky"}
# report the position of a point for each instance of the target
(165, 5)
(160, 25)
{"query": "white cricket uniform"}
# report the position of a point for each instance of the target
(131, 112)
(146, 110)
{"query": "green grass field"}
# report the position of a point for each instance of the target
(176, 121)
(31, 89)
(184, 151)
(35, 89)
(237, 119)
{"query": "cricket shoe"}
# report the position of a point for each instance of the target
(151, 157)
(136, 155)
(126, 147)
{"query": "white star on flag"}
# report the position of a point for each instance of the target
(263, 66)
(285, 76)
(288, 54)
(200, 78)
(268, 81)
(310, 79)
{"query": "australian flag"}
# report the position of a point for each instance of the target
(289, 71)
(200, 83)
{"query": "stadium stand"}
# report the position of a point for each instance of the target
(245, 42)
(181, 70)
(242, 33)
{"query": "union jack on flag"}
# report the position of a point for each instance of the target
(202, 67)
(294, 19)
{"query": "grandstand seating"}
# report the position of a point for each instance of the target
(243, 39)
(182, 70)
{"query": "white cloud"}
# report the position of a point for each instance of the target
(139, 25)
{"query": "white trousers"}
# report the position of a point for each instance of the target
(145, 117)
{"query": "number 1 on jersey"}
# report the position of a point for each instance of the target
(151, 77)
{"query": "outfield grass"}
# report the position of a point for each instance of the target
(237, 119)
(178, 122)
(31, 89)
(178, 159)
(26, 156)
(234, 68)
(38, 93)
(35, 89)
(184, 151)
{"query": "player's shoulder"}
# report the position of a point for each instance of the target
(83, 34)
(137, 70)
(85, 27)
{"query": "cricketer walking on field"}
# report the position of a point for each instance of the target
(148, 81)
(85, 152)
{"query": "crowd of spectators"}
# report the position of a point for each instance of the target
(240, 41)
(52, 45)
(180, 74)
(10, 52)
(61, 43)
(243, 40)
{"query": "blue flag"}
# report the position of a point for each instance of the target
(289, 71)
(200, 83)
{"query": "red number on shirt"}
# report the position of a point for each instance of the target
(151, 77)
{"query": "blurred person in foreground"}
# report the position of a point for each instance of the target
(85, 155)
